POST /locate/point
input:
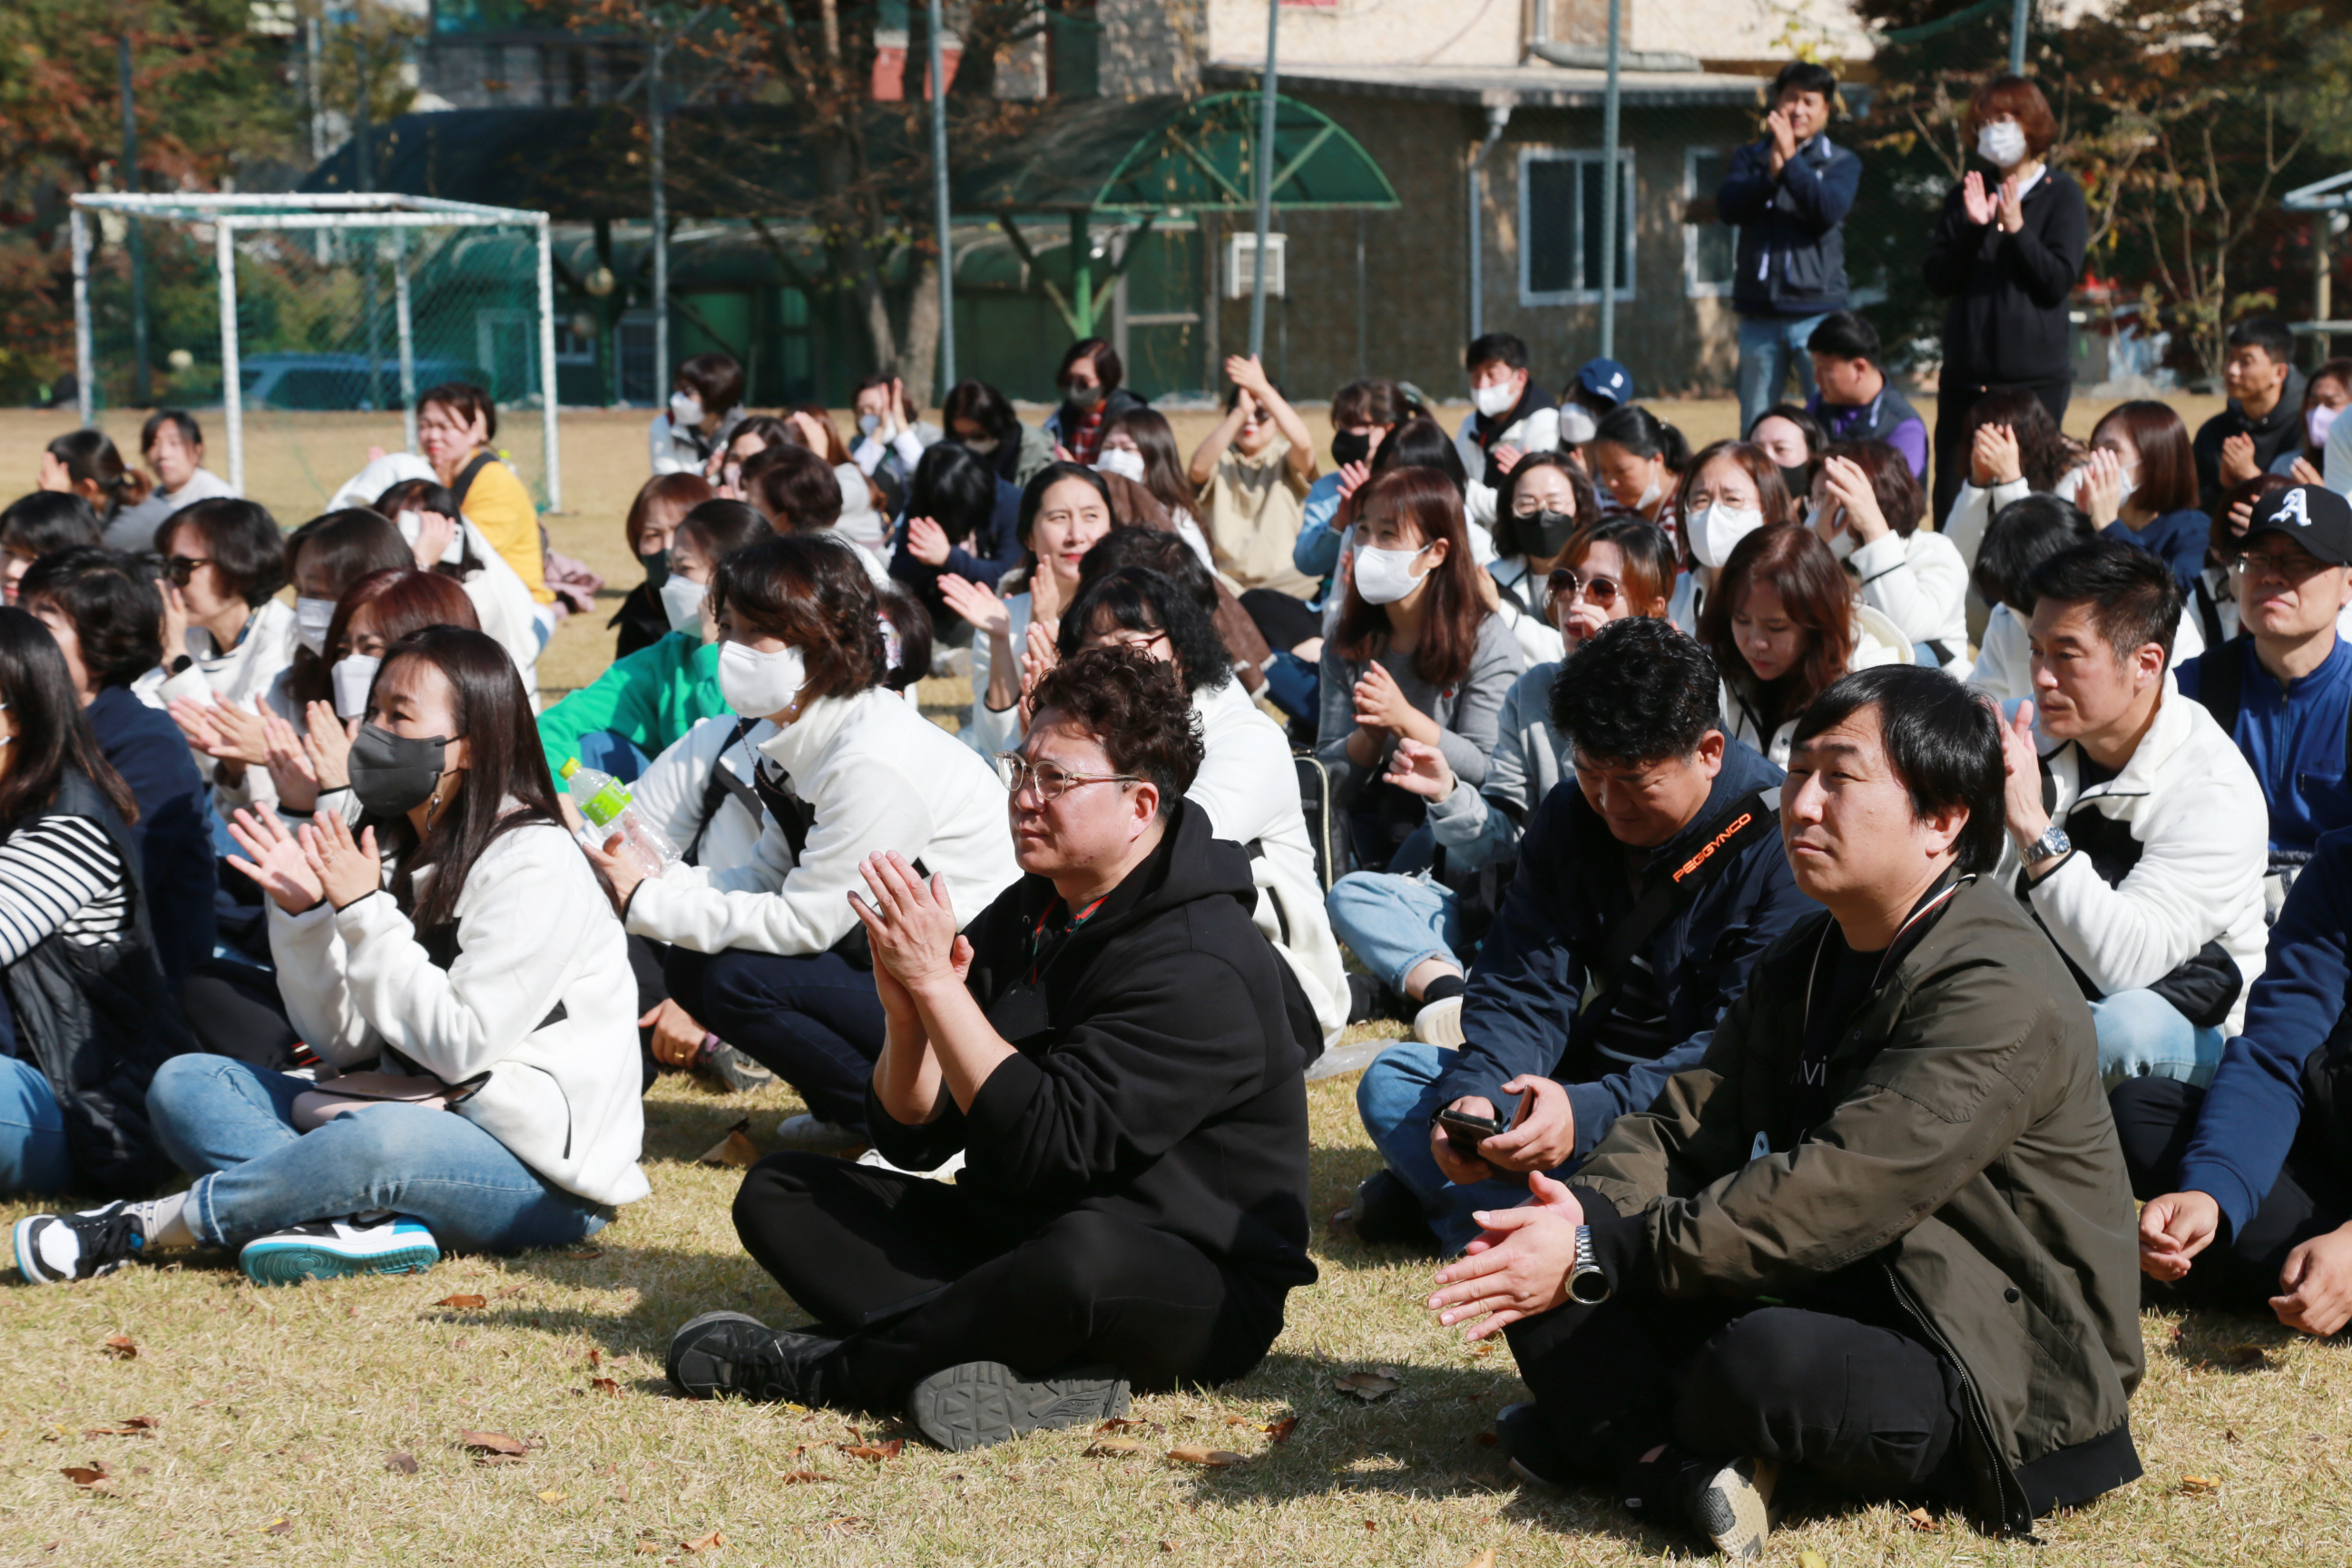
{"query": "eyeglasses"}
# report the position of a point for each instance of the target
(1142, 642)
(180, 568)
(1049, 781)
(1601, 590)
(2300, 567)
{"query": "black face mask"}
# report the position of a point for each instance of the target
(1542, 534)
(1351, 447)
(394, 775)
(1085, 399)
(656, 565)
(1800, 480)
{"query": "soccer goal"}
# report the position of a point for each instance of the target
(319, 305)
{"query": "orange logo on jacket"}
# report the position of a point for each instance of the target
(1714, 843)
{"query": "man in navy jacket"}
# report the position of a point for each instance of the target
(1789, 192)
(1646, 887)
(2249, 1183)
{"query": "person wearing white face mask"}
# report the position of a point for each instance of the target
(1139, 446)
(2008, 251)
(1868, 506)
(891, 440)
(1728, 492)
(1511, 415)
(2138, 483)
(642, 704)
(432, 526)
(767, 953)
(706, 404)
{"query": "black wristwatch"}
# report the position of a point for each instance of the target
(181, 663)
(1587, 1284)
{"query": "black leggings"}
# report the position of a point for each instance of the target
(813, 1019)
(1864, 1409)
(1283, 622)
(923, 1276)
(235, 1010)
(2154, 1118)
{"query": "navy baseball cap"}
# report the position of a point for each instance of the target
(2313, 516)
(1607, 378)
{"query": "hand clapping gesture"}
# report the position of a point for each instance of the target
(1380, 703)
(273, 859)
(1980, 206)
(911, 928)
(977, 604)
(1421, 770)
(927, 541)
(1517, 1267)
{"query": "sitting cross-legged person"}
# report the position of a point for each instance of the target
(1646, 886)
(2249, 1183)
(1880, 1236)
(1117, 1052)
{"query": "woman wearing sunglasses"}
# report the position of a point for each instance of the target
(228, 638)
(1616, 569)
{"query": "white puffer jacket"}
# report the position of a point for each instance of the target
(1921, 584)
(538, 999)
(880, 776)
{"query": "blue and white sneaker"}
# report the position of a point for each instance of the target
(54, 1247)
(333, 1249)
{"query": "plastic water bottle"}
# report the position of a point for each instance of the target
(605, 808)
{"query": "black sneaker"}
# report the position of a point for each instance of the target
(981, 1402)
(54, 1247)
(720, 1353)
(1386, 1212)
(1529, 1446)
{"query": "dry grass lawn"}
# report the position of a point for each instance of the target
(278, 1414)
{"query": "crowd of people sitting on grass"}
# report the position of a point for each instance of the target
(1816, 930)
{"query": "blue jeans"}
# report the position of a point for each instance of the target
(34, 1155)
(2141, 1035)
(813, 1019)
(613, 754)
(1769, 347)
(1396, 1097)
(1393, 922)
(231, 1126)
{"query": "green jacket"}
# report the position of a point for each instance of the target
(651, 697)
(1971, 1153)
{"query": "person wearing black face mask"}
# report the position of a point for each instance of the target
(1362, 415)
(1545, 500)
(653, 518)
(1091, 398)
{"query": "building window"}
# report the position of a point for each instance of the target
(1559, 221)
(1710, 246)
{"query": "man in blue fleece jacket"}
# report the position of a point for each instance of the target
(2249, 1183)
(1646, 886)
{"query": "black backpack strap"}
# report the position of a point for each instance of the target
(2209, 611)
(1721, 842)
(465, 479)
(717, 788)
(2221, 684)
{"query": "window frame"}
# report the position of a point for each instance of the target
(1694, 287)
(1583, 156)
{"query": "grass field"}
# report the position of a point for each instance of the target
(324, 1425)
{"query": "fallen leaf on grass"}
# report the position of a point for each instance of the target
(1368, 1385)
(1211, 1458)
(604, 1385)
(1112, 1448)
(552, 1497)
(89, 1475)
(1809, 1557)
(801, 1477)
(710, 1543)
(735, 1149)
(1484, 1560)
(1486, 1440)
(1921, 1520)
(508, 1294)
(585, 1254)
(877, 1452)
(463, 1303)
(404, 1464)
(134, 1426)
(1119, 1423)
(2198, 1484)
(596, 1356)
(278, 1526)
(492, 1448)
(1280, 1431)
(120, 1347)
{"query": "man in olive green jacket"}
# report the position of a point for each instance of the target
(1882, 1234)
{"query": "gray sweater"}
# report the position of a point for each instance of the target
(1469, 715)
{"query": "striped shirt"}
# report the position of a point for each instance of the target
(60, 874)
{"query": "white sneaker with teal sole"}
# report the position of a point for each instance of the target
(333, 1248)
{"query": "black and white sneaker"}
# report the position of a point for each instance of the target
(719, 1353)
(1529, 1446)
(335, 1248)
(981, 1402)
(54, 1247)
(737, 1073)
(1731, 1505)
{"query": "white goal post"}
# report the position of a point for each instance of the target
(230, 215)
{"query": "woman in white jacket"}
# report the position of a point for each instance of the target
(1782, 624)
(471, 1008)
(432, 526)
(1867, 507)
(766, 954)
(228, 638)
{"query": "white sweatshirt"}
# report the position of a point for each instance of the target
(536, 934)
(880, 776)
(244, 676)
(1921, 584)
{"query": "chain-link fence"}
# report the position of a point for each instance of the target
(311, 324)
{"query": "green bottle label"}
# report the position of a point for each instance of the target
(604, 807)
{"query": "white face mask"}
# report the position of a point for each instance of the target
(757, 685)
(311, 619)
(681, 601)
(1384, 576)
(869, 423)
(410, 524)
(354, 676)
(982, 445)
(2002, 144)
(1496, 401)
(685, 409)
(1577, 424)
(1118, 461)
(1714, 529)
(1650, 494)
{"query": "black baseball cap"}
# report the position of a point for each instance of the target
(2313, 516)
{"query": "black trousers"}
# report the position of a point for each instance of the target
(1953, 401)
(1283, 622)
(922, 1275)
(813, 1020)
(2154, 1118)
(1863, 1409)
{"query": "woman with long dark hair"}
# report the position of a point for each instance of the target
(1639, 460)
(2138, 484)
(1782, 624)
(1727, 492)
(458, 970)
(92, 1017)
(2014, 450)
(957, 524)
(1867, 507)
(85, 463)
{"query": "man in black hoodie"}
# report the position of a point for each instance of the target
(2264, 420)
(1118, 1055)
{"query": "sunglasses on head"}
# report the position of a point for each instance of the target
(1564, 584)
